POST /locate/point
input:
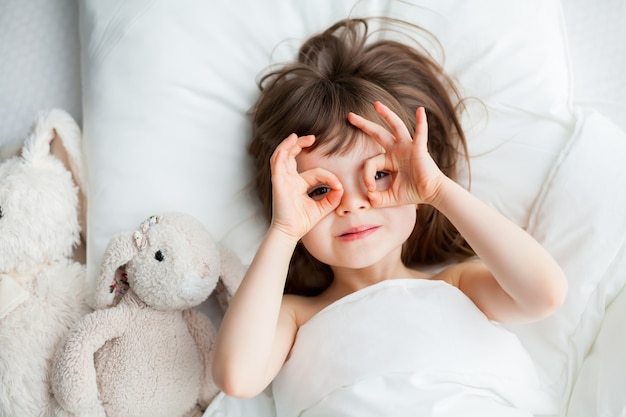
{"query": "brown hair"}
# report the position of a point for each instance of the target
(338, 71)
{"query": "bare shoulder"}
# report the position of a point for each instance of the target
(303, 308)
(290, 306)
(536, 296)
(459, 274)
(477, 282)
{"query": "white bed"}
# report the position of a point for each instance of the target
(161, 89)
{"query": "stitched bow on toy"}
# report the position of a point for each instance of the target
(140, 234)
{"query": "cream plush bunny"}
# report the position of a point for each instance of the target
(149, 354)
(42, 290)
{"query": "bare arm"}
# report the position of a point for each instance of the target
(258, 330)
(519, 281)
(259, 327)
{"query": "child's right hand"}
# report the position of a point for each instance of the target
(294, 212)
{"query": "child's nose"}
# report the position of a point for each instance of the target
(354, 199)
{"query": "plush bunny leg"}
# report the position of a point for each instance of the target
(204, 334)
(74, 373)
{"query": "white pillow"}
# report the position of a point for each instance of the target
(580, 219)
(167, 86)
(601, 384)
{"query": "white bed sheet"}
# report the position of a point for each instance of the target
(597, 42)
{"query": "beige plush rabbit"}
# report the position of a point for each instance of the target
(149, 354)
(42, 289)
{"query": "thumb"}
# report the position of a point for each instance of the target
(378, 198)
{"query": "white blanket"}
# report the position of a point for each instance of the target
(407, 347)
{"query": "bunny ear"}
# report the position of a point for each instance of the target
(120, 250)
(37, 144)
(231, 274)
(66, 143)
(53, 124)
(56, 133)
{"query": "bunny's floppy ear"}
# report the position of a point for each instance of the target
(66, 145)
(231, 274)
(56, 133)
(109, 287)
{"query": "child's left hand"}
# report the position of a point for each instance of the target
(416, 178)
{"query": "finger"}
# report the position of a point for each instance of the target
(303, 142)
(317, 176)
(285, 153)
(370, 168)
(421, 128)
(279, 164)
(330, 201)
(379, 133)
(397, 126)
(294, 143)
(281, 149)
(288, 142)
(375, 198)
(381, 198)
(321, 176)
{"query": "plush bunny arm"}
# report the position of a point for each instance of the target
(74, 373)
(204, 334)
(231, 274)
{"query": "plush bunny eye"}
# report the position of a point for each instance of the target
(158, 255)
(1, 213)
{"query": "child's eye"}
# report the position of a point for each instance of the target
(380, 175)
(319, 192)
(383, 180)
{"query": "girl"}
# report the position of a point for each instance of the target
(359, 207)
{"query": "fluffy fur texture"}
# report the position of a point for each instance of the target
(39, 197)
(43, 289)
(149, 353)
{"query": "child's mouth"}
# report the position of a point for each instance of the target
(356, 233)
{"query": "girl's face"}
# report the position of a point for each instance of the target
(355, 235)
